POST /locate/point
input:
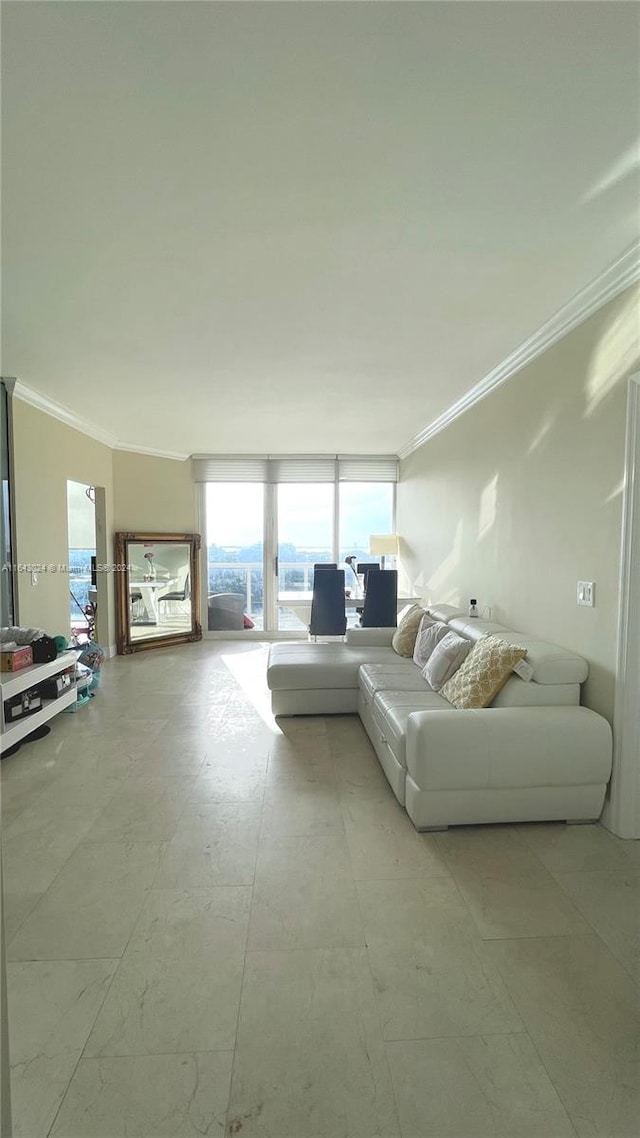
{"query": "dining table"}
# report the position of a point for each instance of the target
(149, 590)
(298, 601)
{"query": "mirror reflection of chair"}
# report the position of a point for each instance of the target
(381, 600)
(180, 595)
(135, 597)
(365, 568)
(226, 612)
(328, 616)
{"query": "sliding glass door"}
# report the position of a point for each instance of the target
(305, 527)
(235, 556)
(266, 528)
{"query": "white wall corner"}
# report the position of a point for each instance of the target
(621, 812)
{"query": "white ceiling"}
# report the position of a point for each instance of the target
(290, 227)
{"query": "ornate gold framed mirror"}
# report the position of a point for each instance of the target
(158, 590)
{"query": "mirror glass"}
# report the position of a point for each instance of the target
(158, 590)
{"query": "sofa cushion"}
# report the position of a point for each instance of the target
(445, 659)
(299, 665)
(445, 613)
(404, 637)
(520, 693)
(520, 747)
(485, 670)
(391, 710)
(403, 676)
(375, 637)
(472, 628)
(430, 633)
(551, 664)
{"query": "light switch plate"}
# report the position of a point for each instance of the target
(586, 593)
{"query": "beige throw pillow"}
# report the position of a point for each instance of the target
(485, 670)
(430, 633)
(446, 658)
(404, 637)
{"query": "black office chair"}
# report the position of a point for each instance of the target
(328, 615)
(181, 595)
(381, 600)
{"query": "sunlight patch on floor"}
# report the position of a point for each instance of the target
(249, 670)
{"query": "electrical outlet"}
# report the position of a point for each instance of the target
(586, 593)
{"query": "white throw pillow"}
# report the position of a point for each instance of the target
(445, 659)
(429, 634)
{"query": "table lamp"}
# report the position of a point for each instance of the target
(384, 545)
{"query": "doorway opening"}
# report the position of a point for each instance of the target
(81, 527)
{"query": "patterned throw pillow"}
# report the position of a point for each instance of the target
(446, 658)
(404, 637)
(430, 633)
(485, 670)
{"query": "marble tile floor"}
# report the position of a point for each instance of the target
(222, 925)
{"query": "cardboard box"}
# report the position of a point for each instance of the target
(14, 659)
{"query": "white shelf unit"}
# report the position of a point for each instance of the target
(12, 683)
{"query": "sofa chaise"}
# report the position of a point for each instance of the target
(533, 755)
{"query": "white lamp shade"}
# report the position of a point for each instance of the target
(385, 544)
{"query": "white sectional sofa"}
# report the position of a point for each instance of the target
(534, 755)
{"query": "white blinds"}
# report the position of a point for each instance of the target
(229, 468)
(311, 468)
(294, 468)
(373, 468)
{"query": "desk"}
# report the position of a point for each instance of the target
(299, 601)
(149, 591)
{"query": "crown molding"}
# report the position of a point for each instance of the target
(614, 280)
(77, 423)
(151, 451)
(63, 414)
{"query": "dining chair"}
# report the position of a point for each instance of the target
(328, 614)
(135, 598)
(322, 565)
(365, 568)
(179, 595)
(380, 608)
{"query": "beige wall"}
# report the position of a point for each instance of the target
(141, 493)
(46, 454)
(522, 496)
(153, 494)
